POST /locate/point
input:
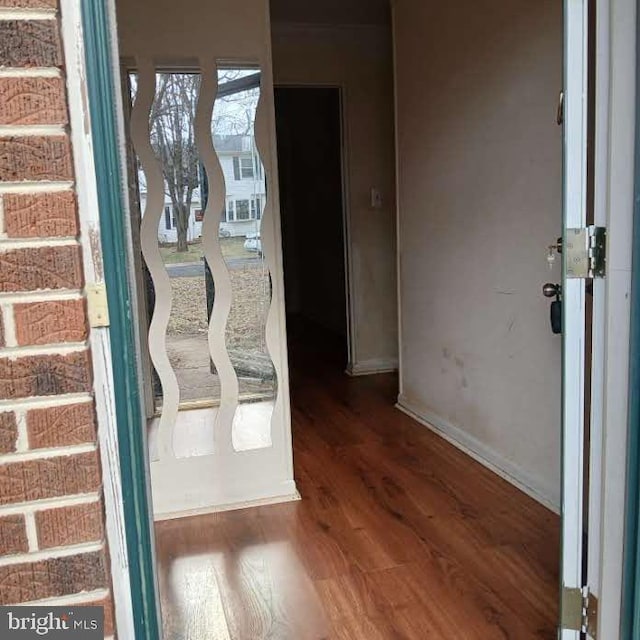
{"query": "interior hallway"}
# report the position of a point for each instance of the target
(398, 535)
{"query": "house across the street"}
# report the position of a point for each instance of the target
(246, 194)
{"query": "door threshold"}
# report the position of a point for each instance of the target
(233, 506)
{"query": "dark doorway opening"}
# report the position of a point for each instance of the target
(309, 132)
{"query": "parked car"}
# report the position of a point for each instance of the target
(253, 243)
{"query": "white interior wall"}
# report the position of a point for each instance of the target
(357, 59)
(354, 12)
(182, 30)
(479, 184)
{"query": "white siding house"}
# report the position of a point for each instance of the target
(245, 193)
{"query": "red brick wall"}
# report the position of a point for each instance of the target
(52, 534)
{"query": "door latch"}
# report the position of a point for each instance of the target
(551, 290)
(560, 111)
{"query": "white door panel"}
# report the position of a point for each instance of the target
(575, 216)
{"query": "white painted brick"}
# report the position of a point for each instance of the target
(26, 13)
(48, 295)
(43, 454)
(35, 187)
(37, 243)
(48, 554)
(62, 349)
(31, 72)
(49, 503)
(16, 131)
(22, 442)
(44, 402)
(32, 532)
(9, 324)
(76, 598)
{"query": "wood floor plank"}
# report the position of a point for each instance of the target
(399, 536)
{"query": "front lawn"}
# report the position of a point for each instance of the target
(231, 248)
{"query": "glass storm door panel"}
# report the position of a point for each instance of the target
(210, 287)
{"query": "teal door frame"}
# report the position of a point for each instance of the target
(631, 587)
(102, 108)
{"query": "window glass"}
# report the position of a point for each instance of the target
(234, 117)
(188, 294)
(173, 140)
(242, 210)
(246, 167)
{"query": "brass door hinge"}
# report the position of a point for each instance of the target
(97, 307)
(579, 611)
(584, 252)
(591, 615)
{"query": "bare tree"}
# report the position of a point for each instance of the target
(236, 104)
(173, 136)
(173, 139)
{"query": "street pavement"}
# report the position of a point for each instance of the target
(194, 269)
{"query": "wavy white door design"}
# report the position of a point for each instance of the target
(213, 255)
(246, 211)
(232, 447)
(153, 209)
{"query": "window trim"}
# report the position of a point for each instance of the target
(229, 213)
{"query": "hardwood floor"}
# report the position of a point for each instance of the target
(398, 536)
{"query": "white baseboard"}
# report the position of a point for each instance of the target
(369, 367)
(481, 453)
(159, 517)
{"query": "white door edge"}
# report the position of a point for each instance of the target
(575, 215)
